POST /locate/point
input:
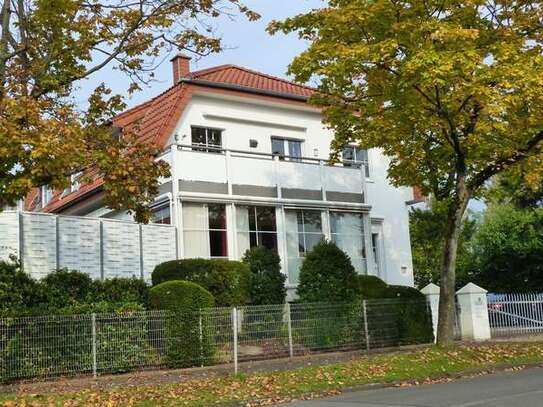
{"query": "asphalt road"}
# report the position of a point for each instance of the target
(515, 388)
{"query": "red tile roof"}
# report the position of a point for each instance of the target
(247, 78)
(155, 120)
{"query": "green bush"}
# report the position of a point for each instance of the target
(66, 287)
(189, 340)
(267, 284)
(507, 250)
(121, 291)
(20, 294)
(327, 275)
(228, 281)
(370, 287)
(327, 326)
(397, 313)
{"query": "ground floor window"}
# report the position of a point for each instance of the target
(303, 231)
(256, 226)
(347, 232)
(161, 215)
(204, 230)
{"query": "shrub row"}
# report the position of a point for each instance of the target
(327, 275)
(67, 292)
(257, 280)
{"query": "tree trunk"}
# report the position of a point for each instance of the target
(447, 304)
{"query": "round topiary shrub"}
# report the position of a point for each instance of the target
(327, 275)
(267, 284)
(188, 337)
(228, 281)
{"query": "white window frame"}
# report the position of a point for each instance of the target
(355, 162)
(75, 184)
(364, 235)
(208, 230)
(159, 209)
(207, 147)
(286, 141)
(257, 230)
(46, 194)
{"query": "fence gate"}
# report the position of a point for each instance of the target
(515, 314)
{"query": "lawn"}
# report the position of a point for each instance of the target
(425, 364)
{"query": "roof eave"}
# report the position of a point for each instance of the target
(69, 203)
(239, 88)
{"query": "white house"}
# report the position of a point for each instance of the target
(249, 164)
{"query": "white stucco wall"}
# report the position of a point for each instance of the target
(242, 121)
(389, 204)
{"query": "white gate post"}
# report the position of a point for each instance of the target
(431, 291)
(473, 313)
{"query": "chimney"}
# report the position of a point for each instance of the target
(181, 67)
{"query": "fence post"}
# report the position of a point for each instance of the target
(289, 327)
(94, 365)
(201, 332)
(235, 332)
(474, 322)
(431, 291)
(366, 332)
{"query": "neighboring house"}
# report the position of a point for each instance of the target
(249, 167)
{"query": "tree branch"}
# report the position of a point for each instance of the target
(486, 173)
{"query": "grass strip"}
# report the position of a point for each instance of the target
(419, 365)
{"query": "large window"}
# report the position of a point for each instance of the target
(347, 231)
(304, 230)
(206, 139)
(204, 230)
(353, 156)
(256, 226)
(287, 147)
(161, 215)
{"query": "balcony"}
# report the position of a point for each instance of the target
(265, 176)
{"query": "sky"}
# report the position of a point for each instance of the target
(247, 44)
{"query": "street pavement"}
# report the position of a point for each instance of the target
(513, 388)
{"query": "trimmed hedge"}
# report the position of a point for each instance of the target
(327, 275)
(410, 321)
(188, 340)
(228, 281)
(370, 287)
(67, 292)
(121, 290)
(267, 282)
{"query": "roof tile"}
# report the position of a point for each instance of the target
(154, 121)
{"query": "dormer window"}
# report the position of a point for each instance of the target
(75, 183)
(354, 156)
(46, 195)
(206, 139)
